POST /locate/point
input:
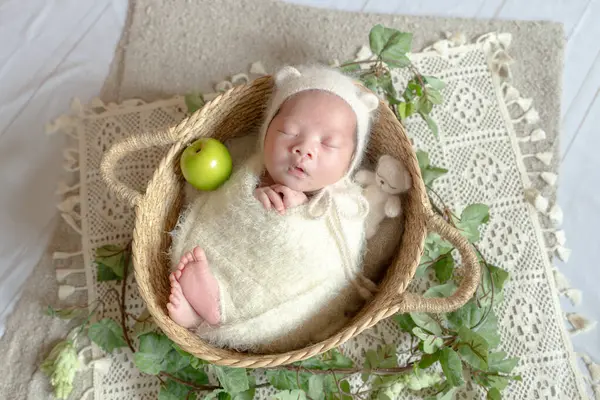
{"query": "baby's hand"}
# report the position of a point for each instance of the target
(279, 197)
(291, 198)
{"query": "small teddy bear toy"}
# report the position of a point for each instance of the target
(381, 189)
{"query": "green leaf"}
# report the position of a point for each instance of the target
(173, 391)
(446, 394)
(493, 394)
(423, 159)
(233, 380)
(191, 374)
(470, 219)
(444, 290)
(444, 267)
(224, 396)
(434, 82)
(290, 395)
(385, 82)
(175, 361)
(345, 389)
(489, 330)
(499, 276)
(144, 324)
(370, 81)
(402, 61)
(350, 67)
(66, 313)
(425, 106)
(419, 380)
(151, 355)
(434, 96)
(498, 363)
(426, 322)
(427, 360)
(473, 348)
(497, 382)
(215, 394)
(468, 315)
(107, 334)
(414, 87)
(452, 367)
(110, 258)
(401, 111)
(194, 102)
(432, 344)
(397, 47)
(282, 379)
(335, 359)
(475, 214)
(315, 387)
(104, 274)
(389, 43)
(382, 357)
(405, 322)
(420, 333)
(432, 173)
(430, 124)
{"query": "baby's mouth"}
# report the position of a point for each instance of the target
(297, 171)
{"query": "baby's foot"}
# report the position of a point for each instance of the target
(179, 308)
(198, 285)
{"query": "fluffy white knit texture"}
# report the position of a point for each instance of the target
(282, 279)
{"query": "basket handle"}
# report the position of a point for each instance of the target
(111, 159)
(470, 279)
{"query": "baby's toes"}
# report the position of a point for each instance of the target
(173, 299)
(175, 286)
(177, 274)
(189, 257)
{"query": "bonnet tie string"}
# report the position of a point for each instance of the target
(324, 205)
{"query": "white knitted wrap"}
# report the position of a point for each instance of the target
(282, 279)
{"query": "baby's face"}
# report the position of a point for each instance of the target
(310, 142)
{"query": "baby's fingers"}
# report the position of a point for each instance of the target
(263, 198)
(288, 194)
(276, 200)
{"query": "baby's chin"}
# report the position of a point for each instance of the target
(304, 184)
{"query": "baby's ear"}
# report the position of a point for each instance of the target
(286, 73)
(370, 100)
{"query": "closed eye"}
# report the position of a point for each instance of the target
(286, 133)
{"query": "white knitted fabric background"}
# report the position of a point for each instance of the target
(479, 143)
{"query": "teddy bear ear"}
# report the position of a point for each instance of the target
(286, 73)
(370, 100)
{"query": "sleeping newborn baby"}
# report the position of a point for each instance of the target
(269, 259)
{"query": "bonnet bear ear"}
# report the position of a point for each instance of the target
(370, 100)
(286, 73)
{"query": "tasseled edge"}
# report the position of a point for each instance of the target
(593, 374)
(526, 119)
(564, 287)
(579, 324)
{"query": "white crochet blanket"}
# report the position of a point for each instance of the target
(480, 143)
(275, 272)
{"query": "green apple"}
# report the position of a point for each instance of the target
(206, 164)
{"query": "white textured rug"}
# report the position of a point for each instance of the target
(481, 143)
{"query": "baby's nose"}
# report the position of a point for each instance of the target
(304, 151)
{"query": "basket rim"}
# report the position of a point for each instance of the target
(386, 304)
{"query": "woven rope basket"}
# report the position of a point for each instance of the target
(235, 113)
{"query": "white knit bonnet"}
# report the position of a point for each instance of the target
(291, 80)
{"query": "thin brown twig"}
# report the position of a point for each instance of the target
(123, 290)
(350, 371)
(190, 384)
